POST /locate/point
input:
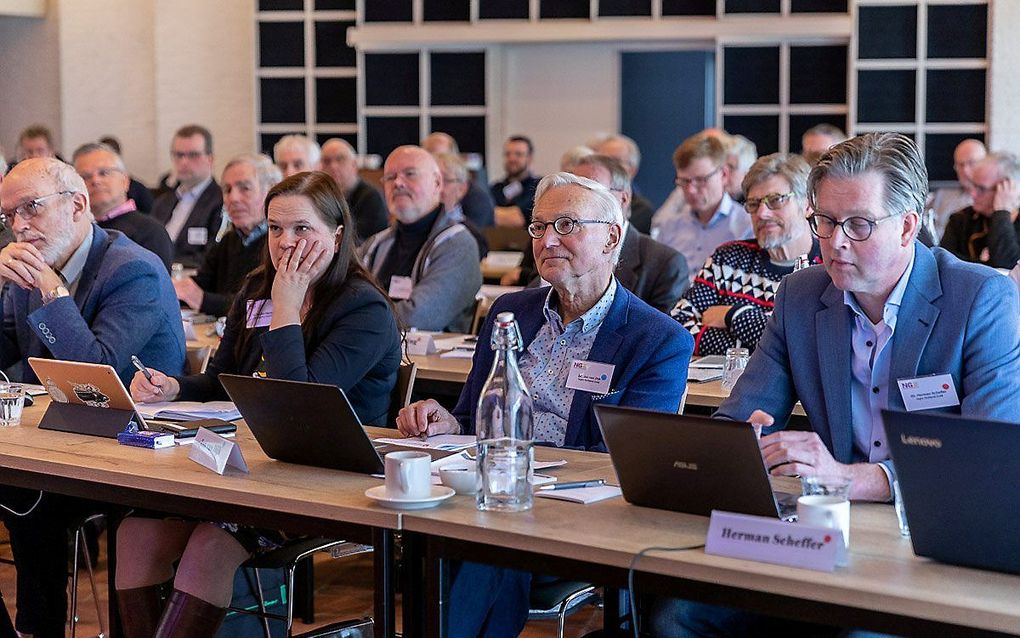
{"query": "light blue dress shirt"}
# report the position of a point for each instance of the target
(677, 226)
(545, 365)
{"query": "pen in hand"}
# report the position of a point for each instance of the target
(571, 485)
(148, 375)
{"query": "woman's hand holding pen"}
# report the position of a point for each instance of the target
(159, 387)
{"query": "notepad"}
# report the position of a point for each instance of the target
(583, 495)
(444, 442)
(716, 361)
(701, 375)
(189, 410)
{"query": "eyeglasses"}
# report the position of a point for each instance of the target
(981, 190)
(29, 209)
(684, 182)
(103, 172)
(774, 201)
(191, 155)
(855, 228)
(409, 175)
(562, 225)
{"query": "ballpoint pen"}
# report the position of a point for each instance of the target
(571, 485)
(148, 375)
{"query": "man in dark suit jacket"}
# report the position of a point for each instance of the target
(192, 212)
(75, 292)
(368, 209)
(651, 270)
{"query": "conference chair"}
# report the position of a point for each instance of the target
(559, 599)
(81, 549)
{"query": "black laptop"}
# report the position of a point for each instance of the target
(958, 479)
(689, 464)
(304, 423)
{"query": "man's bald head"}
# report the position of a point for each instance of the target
(966, 156)
(340, 162)
(413, 183)
(440, 144)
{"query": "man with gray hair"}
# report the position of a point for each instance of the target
(477, 202)
(988, 231)
(76, 292)
(108, 181)
(818, 139)
(246, 182)
(625, 150)
(368, 209)
(883, 315)
(576, 230)
(740, 154)
(296, 154)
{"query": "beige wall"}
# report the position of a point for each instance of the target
(1004, 54)
(137, 69)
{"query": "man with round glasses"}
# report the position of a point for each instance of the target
(732, 297)
(700, 215)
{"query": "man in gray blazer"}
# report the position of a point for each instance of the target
(650, 269)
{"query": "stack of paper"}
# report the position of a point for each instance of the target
(189, 410)
(583, 495)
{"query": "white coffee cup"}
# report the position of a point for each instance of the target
(820, 510)
(408, 475)
(462, 481)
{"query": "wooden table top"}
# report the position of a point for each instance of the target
(883, 573)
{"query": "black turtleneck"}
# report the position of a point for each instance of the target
(407, 243)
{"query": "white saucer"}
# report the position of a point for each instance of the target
(439, 494)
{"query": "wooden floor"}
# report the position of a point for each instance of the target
(343, 591)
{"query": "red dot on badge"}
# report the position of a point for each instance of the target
(827, 538)
(945, 386)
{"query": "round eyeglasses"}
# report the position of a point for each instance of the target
(29, 209)
(562, 225)
(855, 228)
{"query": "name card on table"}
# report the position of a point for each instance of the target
(420, 343)
(216, 453)
(770, 540)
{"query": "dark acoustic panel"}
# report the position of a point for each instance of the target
(391, 79)
(564, 9)
(503, 9)
(268, 140)
(763, 130)
(384, 134)
(281, 44)
(350, 138)
(958, 31)
(457, 79)
(886, 32)
(282, 100)
(819, 6)
(612, 8)
(885, 96)
(751, 6)
(687, 8)
(281, 5)
(818, 74)
(331, 44)
(799, 124)
(751, 75)
(335, 5)
(468, 131)
(956, 95)
(938, 154)
(447, 10)
(336, 100)
(388, 11)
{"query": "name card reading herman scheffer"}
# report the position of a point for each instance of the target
(770, 540)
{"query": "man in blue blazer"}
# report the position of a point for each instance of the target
(577, 229)
(77, 292)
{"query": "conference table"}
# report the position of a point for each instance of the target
(884, 587)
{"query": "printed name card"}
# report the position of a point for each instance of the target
(770, 540)
(216, 453)
(420, 343)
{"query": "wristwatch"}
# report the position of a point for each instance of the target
(56, 293)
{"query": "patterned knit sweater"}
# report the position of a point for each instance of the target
(738, 274)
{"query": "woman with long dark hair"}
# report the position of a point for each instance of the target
(309, 312)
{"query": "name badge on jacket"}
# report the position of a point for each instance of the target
(198, 235)
(590, 376)
(929, 392)
(259, 313)
(400, 287)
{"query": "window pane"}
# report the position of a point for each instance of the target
(885, 96)
(957, 31)
(282, 100)
(391, 79)
(818, 6)
(331, 45)
(468, 131)
(458, 79)
(388, 11)
(751, 75)
(763, 130)
(752, 6)
(281, 44)
(336, 100)
(887, 32)
(967, 88)
(335, 5)
(938, 154)
(625, 7)
(565, 9)
(687, 8)
(818, 75)
(281, 5)
(386, 133)
(448, 10)
(503, 9)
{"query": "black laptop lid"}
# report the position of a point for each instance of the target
(304, 423)
(685, 463)
(958, 479)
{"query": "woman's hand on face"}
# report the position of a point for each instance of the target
(296, 270)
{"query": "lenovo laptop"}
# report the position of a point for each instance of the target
(303, 423)
(689, 464)
(958, 478)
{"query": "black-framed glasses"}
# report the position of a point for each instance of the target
(104, 172)
(190, 155)
(981, 190)
(562, 225)
(855, 228)
(684, 182)
(29, 209)
(773, 201)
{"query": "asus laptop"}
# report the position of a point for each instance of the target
(303, 423)
(689, 464)
(958, 478)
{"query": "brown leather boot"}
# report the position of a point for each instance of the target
(188, 616)
(140, 609)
